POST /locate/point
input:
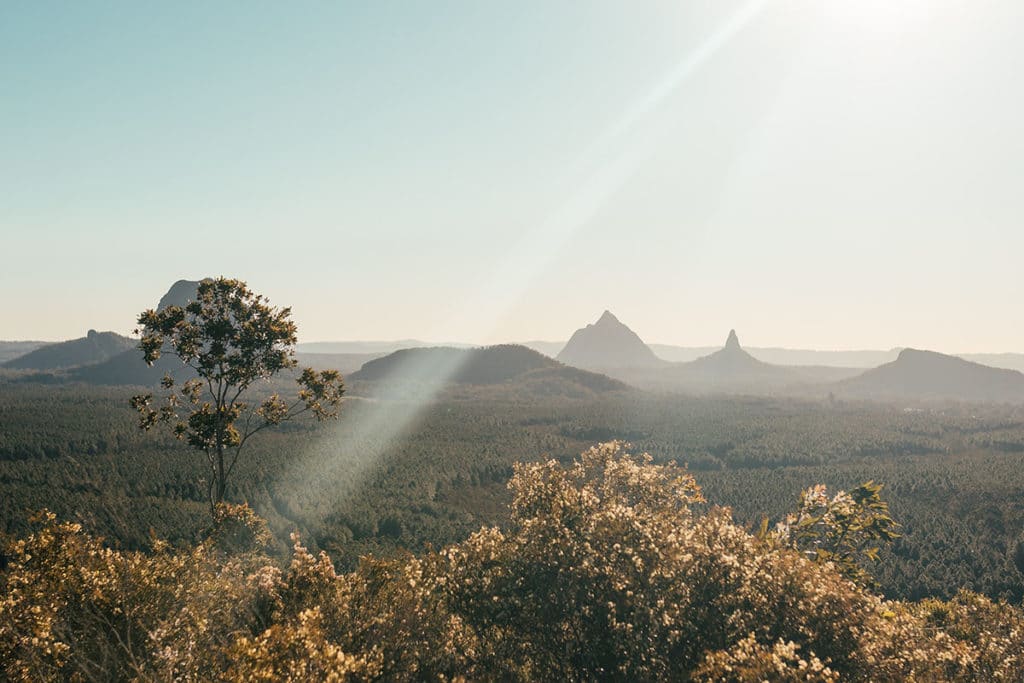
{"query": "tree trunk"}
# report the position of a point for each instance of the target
(221, 484)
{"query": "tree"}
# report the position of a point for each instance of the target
(231, 339)
(844, 529)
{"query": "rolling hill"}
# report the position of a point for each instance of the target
(927, 375)
(9, 350)
(94, 347)
(507, 364)
(730, 369)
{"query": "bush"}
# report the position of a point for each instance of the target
(604, 571)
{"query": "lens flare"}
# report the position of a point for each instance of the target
(354, 451)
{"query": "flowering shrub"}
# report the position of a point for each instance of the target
(604, 571)
(750, 660)
(236, 528)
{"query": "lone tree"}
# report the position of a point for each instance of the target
(232, 339)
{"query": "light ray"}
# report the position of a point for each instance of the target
(604, 168)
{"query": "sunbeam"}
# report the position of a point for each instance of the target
(604, 168)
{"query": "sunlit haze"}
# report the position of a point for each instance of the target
(814, 174)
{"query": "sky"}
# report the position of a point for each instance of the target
(816, 174)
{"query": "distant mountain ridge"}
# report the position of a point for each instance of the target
(94, 347)
(9, 350)
(732, 365)
(727, 369)
(928, 375)
(673, 353)
(372, 346)
(124, 365)
(605, 355)
(607, 344)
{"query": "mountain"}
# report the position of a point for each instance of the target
(94, 347)
(345, 363)
(780, 356)
(927, 375)
(127, 366)
(731, 362)
(607, 344)
(1010, 361)
(507, 364)
(180, 293)
(731, 366)
(730, 369)
(9, 350)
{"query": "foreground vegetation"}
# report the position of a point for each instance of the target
(953, 474)
(605, 569)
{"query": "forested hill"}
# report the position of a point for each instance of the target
(95, 347)
(730, 366)
(929, 375)
(128, 368)
(482, 366)
(9, 350)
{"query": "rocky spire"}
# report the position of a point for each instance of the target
(733, 342)
(180, 293)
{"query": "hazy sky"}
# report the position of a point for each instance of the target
(818, 173)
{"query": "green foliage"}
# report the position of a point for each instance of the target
(237, 529)
(845, 529)
(607, 569)
(952, 475)
(230, 338)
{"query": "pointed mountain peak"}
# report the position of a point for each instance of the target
(608, 343)
(733, 342)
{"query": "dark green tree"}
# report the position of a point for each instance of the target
(231, 339)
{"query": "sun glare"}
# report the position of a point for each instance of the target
(879, 16)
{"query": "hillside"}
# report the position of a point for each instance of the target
(492, 365)
(9, 350)
(731, 364)
(783, 356)
(128, 368)
(927, 375)
(345, 363)
(1009, 361)
(727, 370)
(607, 344)
(550, 349)
(93, 348)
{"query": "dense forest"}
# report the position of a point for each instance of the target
(394, 475)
